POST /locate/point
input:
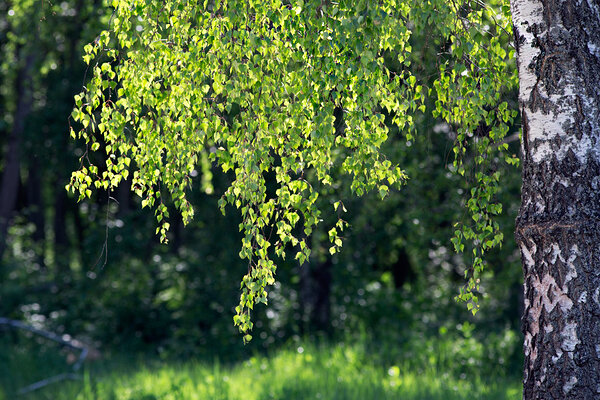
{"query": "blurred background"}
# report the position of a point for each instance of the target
(95, 270)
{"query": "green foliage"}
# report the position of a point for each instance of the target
(177, 300)
(469, 96)
(254, 87)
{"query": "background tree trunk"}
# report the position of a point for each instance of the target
(12, 164)
(315, 291)
(61, 240)
(35, 203)
(558, 227)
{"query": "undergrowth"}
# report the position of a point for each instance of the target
(306, 371)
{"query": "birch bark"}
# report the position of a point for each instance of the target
(558, 227)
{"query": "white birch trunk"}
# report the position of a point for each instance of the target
(558, 227)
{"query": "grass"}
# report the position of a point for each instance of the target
(326, 372)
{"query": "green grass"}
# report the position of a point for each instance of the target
(328, 372)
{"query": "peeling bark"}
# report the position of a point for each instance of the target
(558, 227)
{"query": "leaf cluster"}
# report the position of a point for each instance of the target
(254, 87)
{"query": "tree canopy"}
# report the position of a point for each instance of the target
(286, 96)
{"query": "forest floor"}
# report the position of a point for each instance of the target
(296, 372)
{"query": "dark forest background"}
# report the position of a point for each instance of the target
(96, 271)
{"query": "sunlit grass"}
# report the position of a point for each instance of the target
(334, 372)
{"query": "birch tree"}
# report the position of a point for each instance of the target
(557, 228)
(255, 87)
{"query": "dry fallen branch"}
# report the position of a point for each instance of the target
(64, 340)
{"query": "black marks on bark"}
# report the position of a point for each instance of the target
(579, 44)
(525, 123)
(581, 124)
(560, 324)
(519, 39)
(538, 101)
(561, 191)
(556, 142)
